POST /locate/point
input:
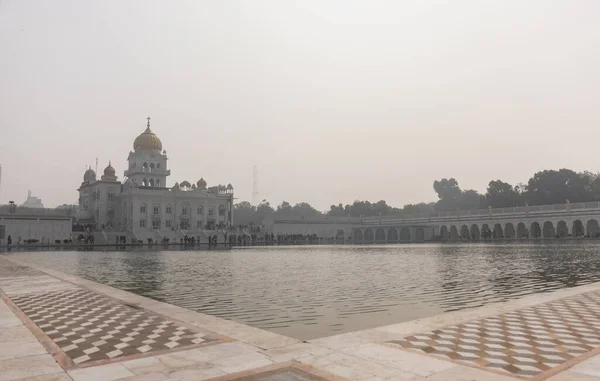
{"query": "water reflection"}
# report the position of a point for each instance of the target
(309, 292)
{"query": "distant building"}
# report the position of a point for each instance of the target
(143, 205)
(32, 202)
(25, 223)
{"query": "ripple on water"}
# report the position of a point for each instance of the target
(309, 292)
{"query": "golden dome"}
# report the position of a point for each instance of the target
(201, 184)
(147, 141)
(109, 171)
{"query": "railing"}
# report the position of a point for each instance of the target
(406, 218)
(42, 212)
(487, 212)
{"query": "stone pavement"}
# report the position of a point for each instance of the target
(56, 327)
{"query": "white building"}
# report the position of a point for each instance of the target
(23, 224)
(143, 206)
(32, 202)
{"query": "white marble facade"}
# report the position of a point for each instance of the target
(145, 205)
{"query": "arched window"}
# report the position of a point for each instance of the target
(158, 166)
(157, 182)
(151, 182)
(151, 167)
(145, 167)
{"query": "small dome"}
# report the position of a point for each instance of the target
(229, 186)
(89, 175)
(185, 184)
(147, 141)
(201, 184)
(109, 171)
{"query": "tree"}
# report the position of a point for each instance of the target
(448, 193)
(421, 209)
(502, 195)
(555, 187)
(304, 209)
(381, 208)
(337, 211)
(470, 199)
(244, 213)
(284, 209)
(263, 210)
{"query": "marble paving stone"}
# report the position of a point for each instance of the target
(464, 373)
(295, 351)
(15, 349)
(108, 372)
(159, 376)
(194, 374)
(527, 342)
(572, 376)
(241, 363)
(145, 365)
(408, 362)
(49, 377)
(23, 367)
(355, 368)
(590, 367)
(20, 334)
(89, 327)
(288, 374)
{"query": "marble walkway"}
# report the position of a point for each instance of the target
(56, 327)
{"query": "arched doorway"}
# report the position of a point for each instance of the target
(562, 230)
(498, 232)
(405, 235)
(420, 233)
(380, 235)
(475, 233)
(454, 233)
(509, 231)
(357, 236)
(592, 228)
(548, 230)
(464, 232)
(522, 231)
(535, 230)
(578, 230)
(444, 233)
(369, 236)
(486, 232)
(392, 235)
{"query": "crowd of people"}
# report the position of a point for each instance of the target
(279, 239)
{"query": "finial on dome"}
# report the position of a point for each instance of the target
(148, 122)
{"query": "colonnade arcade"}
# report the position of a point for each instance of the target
(391, 234)
(521, 229)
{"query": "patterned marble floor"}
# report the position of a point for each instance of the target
(524, 343)
(91, 328)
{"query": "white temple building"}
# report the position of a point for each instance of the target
(144, 206)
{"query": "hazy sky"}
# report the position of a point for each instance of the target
(333, 100)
